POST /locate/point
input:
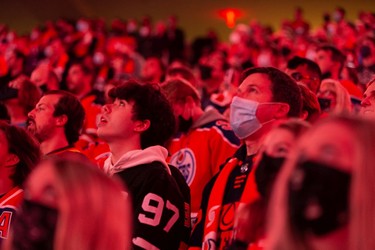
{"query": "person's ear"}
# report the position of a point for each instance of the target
(11, 160)
(304, 115)
(61, 120)
(141, 126)
(282, 111)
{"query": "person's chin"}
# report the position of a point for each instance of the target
(101, 132)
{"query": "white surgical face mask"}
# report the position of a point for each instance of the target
(243, 119)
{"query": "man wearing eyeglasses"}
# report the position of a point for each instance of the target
(305, 72)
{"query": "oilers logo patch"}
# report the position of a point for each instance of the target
(184, 160)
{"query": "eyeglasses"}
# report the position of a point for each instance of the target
(299, 77)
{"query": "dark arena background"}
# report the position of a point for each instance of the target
(194, 16)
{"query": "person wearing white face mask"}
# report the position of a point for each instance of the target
(265, 95)
(244, 118)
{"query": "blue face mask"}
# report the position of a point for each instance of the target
(243, 119)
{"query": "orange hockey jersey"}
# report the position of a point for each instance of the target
(199, 153)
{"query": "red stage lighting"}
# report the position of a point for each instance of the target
(230, 15)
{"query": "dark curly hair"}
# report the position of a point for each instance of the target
(148, 104)
(25, 148)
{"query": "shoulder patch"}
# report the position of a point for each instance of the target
(184, 160)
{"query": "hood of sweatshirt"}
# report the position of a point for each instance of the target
(137, 157)
(207, 117)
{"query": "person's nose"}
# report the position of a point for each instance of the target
(31, 114)
(106, 108)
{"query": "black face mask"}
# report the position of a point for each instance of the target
(285, 51)
(205, 72)
(184, 125)
(324, 103)
(365, 51)
(34, 226)
(318, 198)
(326, 75)
(266, 172)
(43, 87)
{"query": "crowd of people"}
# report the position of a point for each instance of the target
(128, 137)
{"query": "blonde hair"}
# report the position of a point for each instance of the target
(97, 214)
(343, 103)
(362, 205)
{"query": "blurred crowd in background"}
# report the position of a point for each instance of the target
(226, 98)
